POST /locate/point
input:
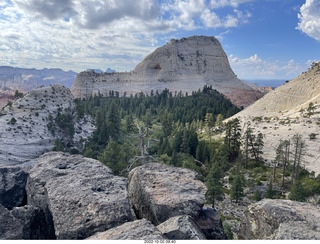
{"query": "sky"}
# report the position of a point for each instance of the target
(263, 39)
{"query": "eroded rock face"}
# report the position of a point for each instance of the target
(33, 222)
(159, 192)
(25, 130)
(79, 196)
(279, 220)
(10, 227)
(181, 65)
(12, 186)
(136, 230)
(181, 228)
(210, 223)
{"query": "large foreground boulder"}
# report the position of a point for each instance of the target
(181, 228)
(136, 230)
(159, 192)
(12, 186)
(79, 196)
(280, 220)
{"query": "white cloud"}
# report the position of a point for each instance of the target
(309, 17)
(75, 34)
(225, 3)
(193, 14)
(254, 67)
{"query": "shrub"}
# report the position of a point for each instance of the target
(12, 121)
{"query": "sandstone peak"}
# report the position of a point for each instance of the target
(184, 65)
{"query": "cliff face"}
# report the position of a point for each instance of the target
(181, 65)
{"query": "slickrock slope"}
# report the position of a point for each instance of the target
(284, 112)
(24, 130)
(181, 65)
(280, 220)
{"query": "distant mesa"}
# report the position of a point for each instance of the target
(184, 65)
(29, 79)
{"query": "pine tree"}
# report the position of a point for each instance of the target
(270, 191)
(297, 192)
(236, 192)
(112, 157)
(214, 184)
(209, 123)
(113, 120)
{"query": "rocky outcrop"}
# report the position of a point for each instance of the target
(33, 222)
(279, 220)
(28, 127)
(158, 192)
(183, 65)
(79, 196)
(12, 187)
(210, 223)
(136, 230)
(10, 227)
(181, 228)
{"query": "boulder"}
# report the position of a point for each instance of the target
(181, 228)
(10, 227)
(210, 223)
(79, 196)
(279, 220)
(12, 186)
(135, 230)
(158, 192)
(33, 222)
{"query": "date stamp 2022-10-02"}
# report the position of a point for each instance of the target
(160, 241)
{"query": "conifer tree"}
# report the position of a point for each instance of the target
(214, 184)
(270, 191)
(236, 192)
(297, 192)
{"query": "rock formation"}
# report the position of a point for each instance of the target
(210, 223)
(158, 192)
(181, 65)
(79, 196)
(25, 133)
(136, 230)
(284, 112)
(12, 187)
(29, 79)
(280, 220)
(181, 228)
(71, 197)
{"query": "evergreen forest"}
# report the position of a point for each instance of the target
(190, 131)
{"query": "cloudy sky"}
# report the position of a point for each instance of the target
(264, 39)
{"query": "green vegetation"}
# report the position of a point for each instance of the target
(188, 131)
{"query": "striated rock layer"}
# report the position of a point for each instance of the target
(181, 65)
